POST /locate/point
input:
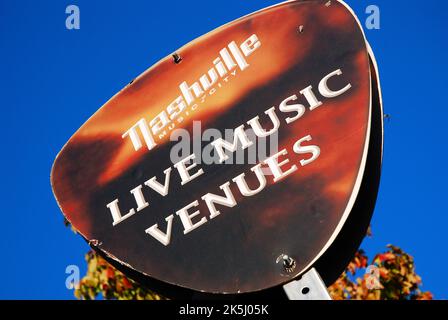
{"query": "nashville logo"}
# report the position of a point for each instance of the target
(225, 65)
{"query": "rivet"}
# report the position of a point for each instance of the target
(177, 58)
(95, 243)
(289, 264)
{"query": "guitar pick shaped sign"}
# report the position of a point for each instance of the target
(296, 74)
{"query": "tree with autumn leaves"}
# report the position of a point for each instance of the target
(397, 279)
(394, 278)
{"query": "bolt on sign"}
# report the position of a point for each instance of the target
(300, 70)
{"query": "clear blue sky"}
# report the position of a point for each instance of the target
(53, 79)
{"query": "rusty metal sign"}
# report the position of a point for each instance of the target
(221, 218)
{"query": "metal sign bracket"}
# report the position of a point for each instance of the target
(309, 287)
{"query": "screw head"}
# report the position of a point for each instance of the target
(177, 58)
(289, 264)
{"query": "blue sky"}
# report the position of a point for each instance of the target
(53, 79)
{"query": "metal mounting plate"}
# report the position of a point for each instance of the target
(309, 287)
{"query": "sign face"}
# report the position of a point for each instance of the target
(212, 214)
